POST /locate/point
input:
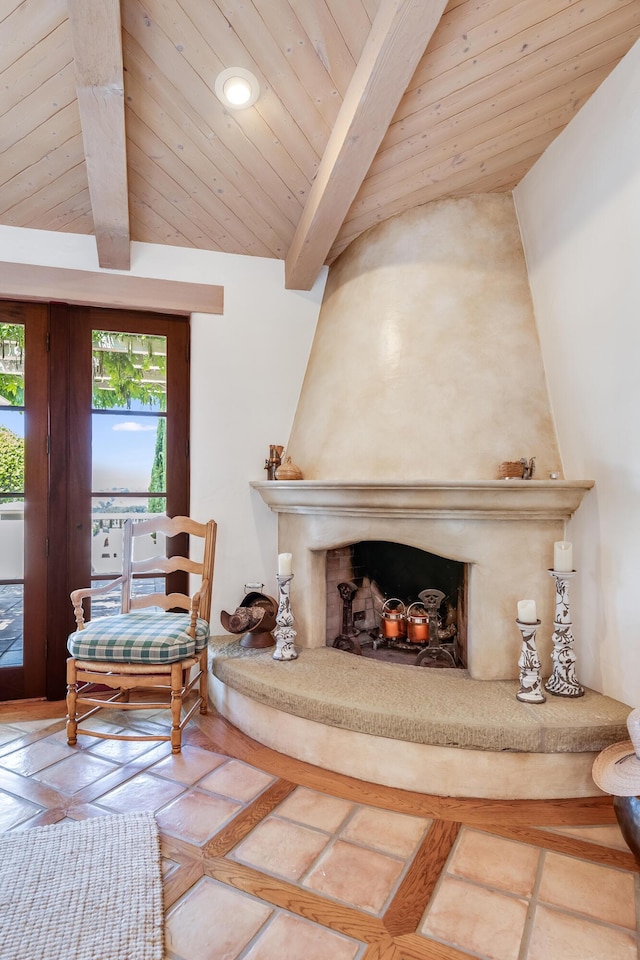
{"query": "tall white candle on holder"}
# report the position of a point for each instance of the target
(527, 611)
(563, 556)
(284, 565)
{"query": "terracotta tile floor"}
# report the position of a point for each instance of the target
(267, 858)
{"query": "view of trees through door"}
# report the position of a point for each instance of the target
(93, 429)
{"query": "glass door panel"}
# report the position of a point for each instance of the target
(129, 420)
(128, 458)
(22, 450)
(128, 449)
(12, 347)
(11, 621)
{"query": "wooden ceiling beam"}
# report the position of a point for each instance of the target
(398, 38)
(97, 45)
(27, 281)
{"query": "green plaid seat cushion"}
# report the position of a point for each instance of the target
(139, 637)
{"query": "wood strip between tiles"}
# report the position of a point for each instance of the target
(304, 903)
(246, 820)
(570, 846)
(416, 889)
(414, 947)
(385, 949)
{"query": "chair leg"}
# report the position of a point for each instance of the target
(204, 692)
(176, 706)
(72, 693)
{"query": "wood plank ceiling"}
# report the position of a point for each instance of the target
(367, 108)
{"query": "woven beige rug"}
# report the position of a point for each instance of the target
(89, 890)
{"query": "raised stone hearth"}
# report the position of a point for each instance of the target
(432, 731)
(503, 529)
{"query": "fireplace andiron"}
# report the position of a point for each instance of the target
(563, 682)
(530, 690)
(284, 633)
(348, 639)
(435, 649)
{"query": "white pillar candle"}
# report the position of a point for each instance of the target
(563, 556)
(284, 565)
(527, 611)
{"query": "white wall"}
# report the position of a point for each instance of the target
(247, 367)
(247, 370)
(579, 212)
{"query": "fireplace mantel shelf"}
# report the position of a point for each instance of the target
(445, 499)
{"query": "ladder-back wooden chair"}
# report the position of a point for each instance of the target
(142, 648)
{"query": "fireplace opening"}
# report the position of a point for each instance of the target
(390, 601)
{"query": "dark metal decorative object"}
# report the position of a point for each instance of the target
(528, 468)
(255, 618)
(348, 639)
(274, 461)
(435, 650)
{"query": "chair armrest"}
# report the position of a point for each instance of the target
(195, 607)
(77, 596)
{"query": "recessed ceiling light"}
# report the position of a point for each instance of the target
(237, 88)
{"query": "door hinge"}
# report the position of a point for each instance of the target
(48, 444)
(46, 547)
(48, 341)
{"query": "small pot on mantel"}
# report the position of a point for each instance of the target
(288, 470)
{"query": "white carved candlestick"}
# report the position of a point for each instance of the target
(530, 690)
(284, 633)
(563, 682)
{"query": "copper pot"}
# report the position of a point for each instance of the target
(418, 623)
(393, 620)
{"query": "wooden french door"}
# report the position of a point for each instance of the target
(106, 423)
